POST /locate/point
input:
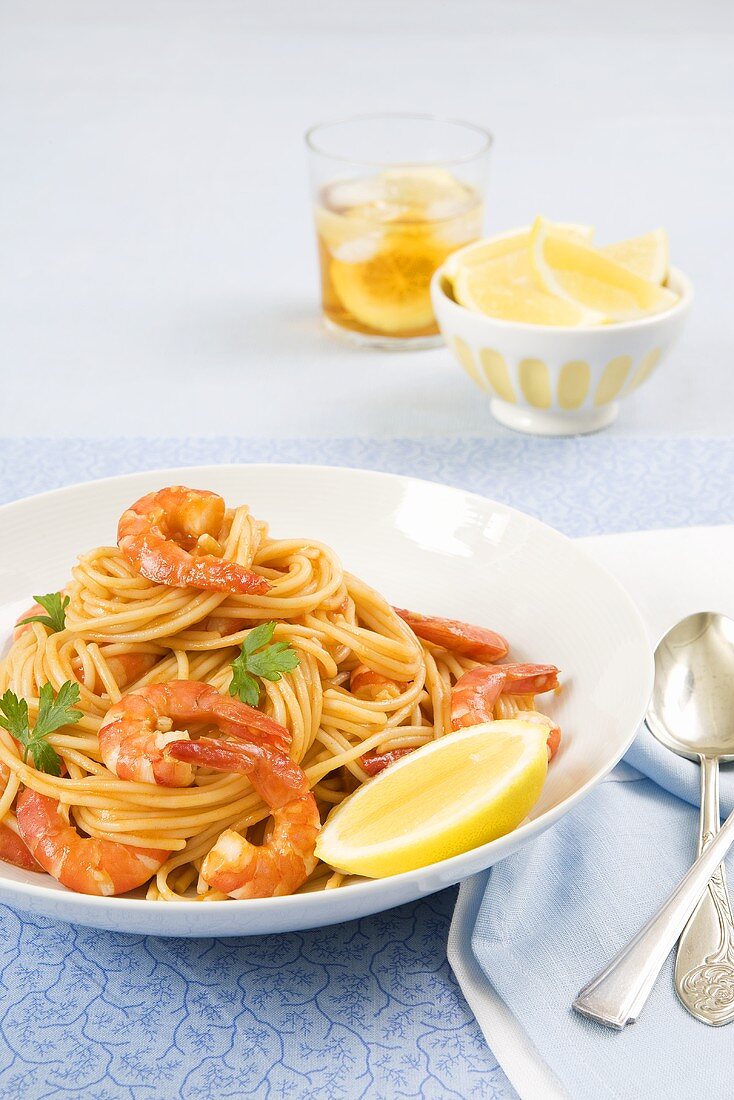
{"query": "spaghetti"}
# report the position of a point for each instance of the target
(365, 689)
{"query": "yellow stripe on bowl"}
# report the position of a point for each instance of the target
(645, 369)
(573, 383)
(497, 374)
(612, 380)
(535, 383)
(464, 355)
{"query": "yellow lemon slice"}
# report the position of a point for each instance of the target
(646, 256)
(590, 280)
(389, 291)
(445, 798)
(422, 187)
(504, 243)
(506, 288)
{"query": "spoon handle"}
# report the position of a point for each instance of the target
(704, 967)
(617, 995)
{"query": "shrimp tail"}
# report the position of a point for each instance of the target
(375, 762)
(273, 774)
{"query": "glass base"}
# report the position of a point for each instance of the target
(384, 343)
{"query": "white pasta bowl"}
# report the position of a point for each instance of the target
(550, 380)
(428, 547)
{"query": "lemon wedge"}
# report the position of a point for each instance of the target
(588, 279)
(506, 288)
(646, 256)
(447, 797)
(477, 253)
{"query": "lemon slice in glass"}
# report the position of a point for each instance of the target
(389, 291)
(588, 279)
(646, 256)
(445, 798)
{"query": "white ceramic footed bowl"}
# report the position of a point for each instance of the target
(558, 381)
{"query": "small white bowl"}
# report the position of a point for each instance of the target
(549, 380)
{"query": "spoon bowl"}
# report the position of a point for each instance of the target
(692, 706)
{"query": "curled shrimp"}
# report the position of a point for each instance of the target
(475, 693)
(471, 641)
(160, 533)
(285, 860)
(136, 730)
(84, 864)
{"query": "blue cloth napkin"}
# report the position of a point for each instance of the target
(556, 912)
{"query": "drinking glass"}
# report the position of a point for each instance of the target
(393, 196)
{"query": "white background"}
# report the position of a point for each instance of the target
(157, 267)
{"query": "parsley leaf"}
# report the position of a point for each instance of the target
(53, 712)
(260, 659)
(14, 715)
(56, 605)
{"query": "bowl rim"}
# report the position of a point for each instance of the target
(683, 287)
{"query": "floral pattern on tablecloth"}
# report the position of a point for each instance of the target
(365, 1009)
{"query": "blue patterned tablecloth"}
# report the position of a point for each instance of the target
(366, 1009)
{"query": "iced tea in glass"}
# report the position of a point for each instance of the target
(385, 223)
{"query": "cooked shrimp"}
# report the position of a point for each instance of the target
(472, 641)
(13, 849)
(529, 679)
(375, 762)
(124, 668)
(84, 864)
(136, 730)
(554, 731)
(475, 693)
(21, 625)
(365, 683)
(223, 625)
(473, 698)
(554, 740)
(161, 533)
(285, 860)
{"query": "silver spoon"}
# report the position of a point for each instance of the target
(692, 713)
